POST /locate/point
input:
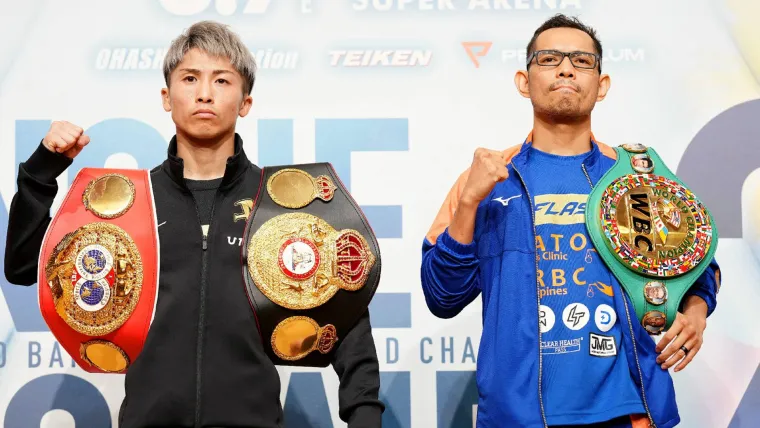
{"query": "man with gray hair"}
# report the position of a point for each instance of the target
(203, 362)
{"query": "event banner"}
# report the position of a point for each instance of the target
(396, 95)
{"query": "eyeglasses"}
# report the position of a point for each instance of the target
(552, 58)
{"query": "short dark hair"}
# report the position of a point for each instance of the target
(563, 21)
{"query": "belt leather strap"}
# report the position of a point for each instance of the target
(311, 263)
(652, 232)
(98, 268)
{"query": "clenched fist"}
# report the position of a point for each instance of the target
(488, 168)
(67, 138)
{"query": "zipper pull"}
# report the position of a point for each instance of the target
(205, 242)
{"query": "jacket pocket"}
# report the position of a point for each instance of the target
(490, 244)
(505, 228)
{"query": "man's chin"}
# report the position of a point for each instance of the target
(204, 133)
(567, 110)
(567, 113)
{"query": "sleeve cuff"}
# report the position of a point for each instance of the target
(709, 299)
(367, 416)
(45, 165)
(454, 247)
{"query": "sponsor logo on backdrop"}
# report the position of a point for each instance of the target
(375, 58)
(135, 58)
(476, 50)
(480, 53)
(462, 5)
(222, 7)
(248, 8)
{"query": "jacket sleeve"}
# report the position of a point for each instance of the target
(29, 213)
(449, 270)
(355, 362)
(707, 286)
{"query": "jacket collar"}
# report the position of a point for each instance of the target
(236, 164)
(591, 160)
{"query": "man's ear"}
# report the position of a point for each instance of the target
(245, 106)
(604, 86)
(166, 100)
(521, 83)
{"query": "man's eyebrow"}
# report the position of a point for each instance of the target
(196, 71)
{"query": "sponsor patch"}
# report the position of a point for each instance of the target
(601, 346)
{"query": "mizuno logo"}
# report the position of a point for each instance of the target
(505, 202)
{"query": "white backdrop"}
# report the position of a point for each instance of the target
(386, 90)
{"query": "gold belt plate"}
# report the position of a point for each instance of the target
(109, 196)
(294, 188)
(95, 275)
(296, 337)
(104, 355)
(655, 225)
(299, 261)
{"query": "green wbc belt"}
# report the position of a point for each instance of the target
(652, 232)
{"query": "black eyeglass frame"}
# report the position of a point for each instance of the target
(597, 58)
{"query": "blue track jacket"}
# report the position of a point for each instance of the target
(500, 265)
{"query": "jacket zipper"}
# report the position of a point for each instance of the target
(630, 327)
(538, 299)
(202, 310)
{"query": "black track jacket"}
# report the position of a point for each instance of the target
(203, 363)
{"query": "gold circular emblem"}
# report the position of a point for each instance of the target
(655, 292)
(109, 196)
(294, 188)
(95, 275)
(299, 261)
(634, 147)
(654, 322)
(104, 355)
(642, 163)
(296, 337)
(654, 225)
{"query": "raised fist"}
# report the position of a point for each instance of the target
(488, 168)
(67, 138)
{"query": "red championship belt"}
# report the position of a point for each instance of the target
(98, 268)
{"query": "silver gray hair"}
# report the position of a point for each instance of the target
(214, 39)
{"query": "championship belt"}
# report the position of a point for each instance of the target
(98, 268)
(311, 266)
(652, 232)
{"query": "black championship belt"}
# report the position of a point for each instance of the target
(311, 263)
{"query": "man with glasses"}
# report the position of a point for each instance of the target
(514, 229)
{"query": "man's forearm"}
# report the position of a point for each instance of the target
(29, 213)
(462, 227)
(358, 369)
